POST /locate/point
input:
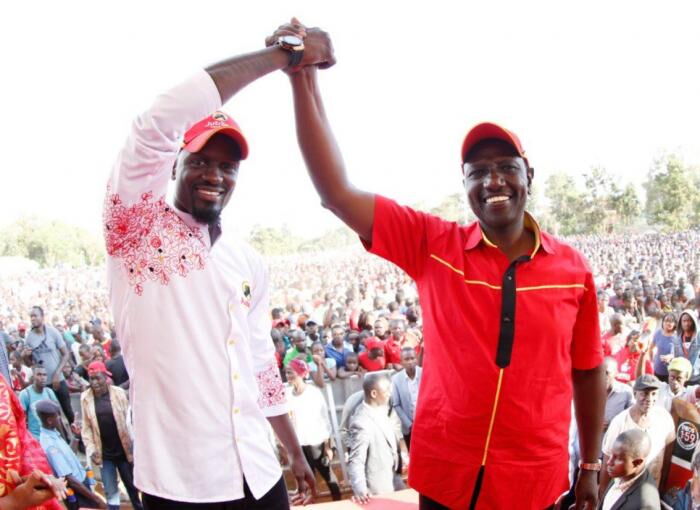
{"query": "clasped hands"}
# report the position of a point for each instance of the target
(318, 48)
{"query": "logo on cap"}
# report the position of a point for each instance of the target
(687, 436)
(219, 116)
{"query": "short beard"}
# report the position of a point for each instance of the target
(207, 215)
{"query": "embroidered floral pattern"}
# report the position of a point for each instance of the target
(151, 240)
(270, 386)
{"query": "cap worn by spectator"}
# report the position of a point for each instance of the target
(300, 367)
(281, 322)
(47, 407)
(97, 367)
(681, 365)
(21, 326)
(647, 382)
(373, 343)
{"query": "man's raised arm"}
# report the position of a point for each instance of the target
(320, 150)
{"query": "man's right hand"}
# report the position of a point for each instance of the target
(318, 48)
(361, 499)
(96, 459)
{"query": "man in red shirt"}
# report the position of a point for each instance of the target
(628, 357)
(373, 359)
(491, 427)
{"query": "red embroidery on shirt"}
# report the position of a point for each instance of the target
(270, 386)
(152, 241)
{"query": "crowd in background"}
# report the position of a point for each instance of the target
(344, 315)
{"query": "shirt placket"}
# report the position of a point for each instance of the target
(504, 350)
(232, 343)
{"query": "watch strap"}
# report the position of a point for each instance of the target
(590, 466)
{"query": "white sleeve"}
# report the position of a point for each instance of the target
(144, 165)
(272, 399)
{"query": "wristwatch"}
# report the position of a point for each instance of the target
(294, 45)
(590, 466)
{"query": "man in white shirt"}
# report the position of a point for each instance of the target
(188, 297)
(644, 415)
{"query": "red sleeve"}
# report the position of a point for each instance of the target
(399, 235)
(586, 348)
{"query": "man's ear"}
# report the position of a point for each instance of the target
(530, 176)
(637, 462)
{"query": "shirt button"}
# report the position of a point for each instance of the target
(231, 307)
(506, 319)
(235, 376)
(510, 277)
(232, 341)
(236, 410)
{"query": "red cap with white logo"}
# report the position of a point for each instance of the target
(218, 122)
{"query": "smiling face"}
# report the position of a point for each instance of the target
(206, 179)
(496, 181)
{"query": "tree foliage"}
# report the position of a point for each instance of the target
(673, 199)
(50, 243)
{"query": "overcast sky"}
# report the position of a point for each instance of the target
(585, 83)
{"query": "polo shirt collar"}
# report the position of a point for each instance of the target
(477, 235)
(50, 432)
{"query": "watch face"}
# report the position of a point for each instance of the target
(291, 40)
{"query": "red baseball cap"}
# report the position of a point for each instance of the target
(374, 343)
(281, 322)
(96, 367)
(218, 122)
(487, 130)
(21, 326)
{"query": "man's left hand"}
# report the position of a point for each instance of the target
(586, 490)
(56, 382)
(306, 482)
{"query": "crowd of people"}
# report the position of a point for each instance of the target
(344, 315)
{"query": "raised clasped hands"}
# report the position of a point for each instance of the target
(318, 48)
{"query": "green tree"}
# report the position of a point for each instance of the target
(50, 242)
(626, 204)
(565, 203)
(273, 240)
(672, 199)
(452, 208)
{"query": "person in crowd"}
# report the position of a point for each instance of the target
(320, 366)
(352, 367)
(373, 359)
(76, 384)
(374, 451)
(309, 414)
(20, 374)
(63, 461)
(632, 487)
(33, 394)
(662, 342)
(619, 395)
(299, 348)
(628, 358)
(381, 329)
(104, 410)
(338, 348)
(616, 337)
(25, 475)
(643, 415)
(605, 311)
(312, 331)
(689, 497)
(44, 345)
(115, 365)
(675, 471)
(686, 342)
(394, 343)
(85, 355)
(679, 370)
(223, 328)
(616, 297)
(404, 391)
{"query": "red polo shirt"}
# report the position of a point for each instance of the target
(501, 339)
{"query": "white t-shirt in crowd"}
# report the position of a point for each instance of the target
(661, 426)
(309, 414)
